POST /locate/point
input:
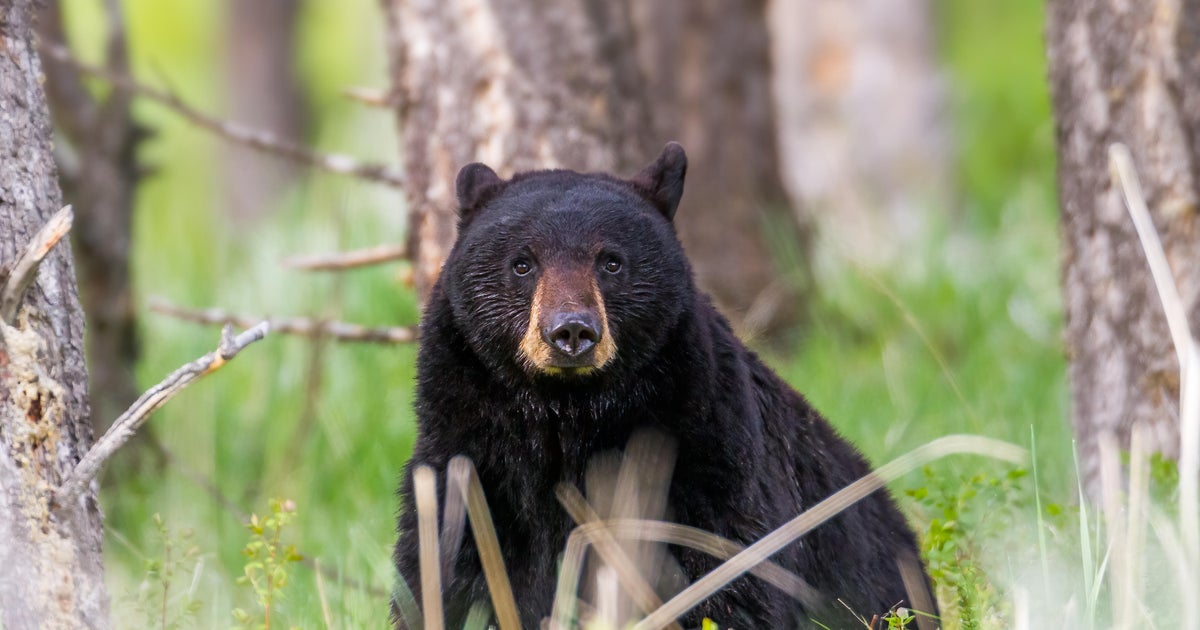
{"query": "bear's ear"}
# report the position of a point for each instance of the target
(662, 180)
(472, 183)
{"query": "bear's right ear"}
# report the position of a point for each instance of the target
(472, 183)
(662, 180)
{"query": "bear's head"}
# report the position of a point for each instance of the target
(565, 275)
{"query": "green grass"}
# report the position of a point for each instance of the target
(961, 337)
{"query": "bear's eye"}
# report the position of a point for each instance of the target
(522, 267)
(612, 265)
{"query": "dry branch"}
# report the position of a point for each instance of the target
(302, 326)
(340, 261)
(25, 269)
(128, 423)
(372, 97)
(242, 134)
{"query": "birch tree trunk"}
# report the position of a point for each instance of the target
(1130, 73)
(707, 66)
(515, 84)
(51, 572)
(862, 119)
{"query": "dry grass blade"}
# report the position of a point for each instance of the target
(490, 557)
(425, 490)
(775, 541)
(326, 616)
(672, 534)
(454, 521)
(915, 584)
(1110, 491)
(1135, 544)
(25, 268)
(1121, 161)
(609, 549)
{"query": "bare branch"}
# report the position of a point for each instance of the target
(26, 266)
(129, 422)
(371, 97)
(302, 326)
(340, 261)
(254, 138)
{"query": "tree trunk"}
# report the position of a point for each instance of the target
(1125, 73)
(52, 574)
(862, 119)
(708, 75)
(262, 93)
(516, 84)
(98, 164)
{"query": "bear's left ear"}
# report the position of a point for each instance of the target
(662, 180)
(470, 185)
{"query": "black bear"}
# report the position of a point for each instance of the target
(565, 319)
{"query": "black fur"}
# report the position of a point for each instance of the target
(752, 452)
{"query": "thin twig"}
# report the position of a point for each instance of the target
(371, 97)
(772, 543)
(128, 423)
(235, 132)
(25, 269)
(302, 326)
(340, 261)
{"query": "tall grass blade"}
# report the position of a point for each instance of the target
(1037, 503)
(1085, 542)
(1121, 161)
(425, 490)
(490, 556)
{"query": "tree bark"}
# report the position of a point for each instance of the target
(862, 119)
(263, 93)
(1129, 73)
(707, 66)
(52, 574)
(516, 84)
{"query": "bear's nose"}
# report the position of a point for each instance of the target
(573, 333)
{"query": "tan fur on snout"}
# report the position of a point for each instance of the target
(554, 291)
(534, 350)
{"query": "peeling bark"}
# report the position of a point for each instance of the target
(1129, 73)
(52, 573)
(515, 84)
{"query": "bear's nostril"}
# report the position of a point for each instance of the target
(574, 334)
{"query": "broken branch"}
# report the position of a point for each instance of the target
(242, 134)
(26, 266)
(301, 326)
(129, 422)
(340, 261)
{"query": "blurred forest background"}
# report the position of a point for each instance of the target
(933, 314)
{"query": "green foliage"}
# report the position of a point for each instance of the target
(160, 600)
(963, 512)
(267, 562)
